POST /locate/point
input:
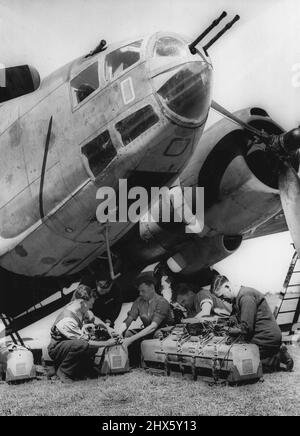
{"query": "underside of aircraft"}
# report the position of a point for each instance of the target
(135, 111)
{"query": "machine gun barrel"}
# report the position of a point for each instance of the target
(100, 47)
(218, 35)
(192, 46)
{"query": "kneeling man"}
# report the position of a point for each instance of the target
(70, 347)
(256, 323)
(154, 311)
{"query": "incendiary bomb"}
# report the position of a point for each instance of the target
(112, 360)
(16, 363)
(204, 353)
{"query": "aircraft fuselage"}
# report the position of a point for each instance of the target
(134, 111)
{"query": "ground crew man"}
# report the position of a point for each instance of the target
(70, 347)
(109, 296)
(255, 322)
(200, 304)
(109, 301)
(154, 311)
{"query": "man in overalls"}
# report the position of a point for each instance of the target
(255, 323)
(70, 347)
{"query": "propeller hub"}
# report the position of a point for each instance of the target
(290, 141)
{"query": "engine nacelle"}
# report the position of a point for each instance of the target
(17, 81)
(239, 175)
(203, 252)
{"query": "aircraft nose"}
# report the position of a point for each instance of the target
(186, 90)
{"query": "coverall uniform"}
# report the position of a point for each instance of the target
(69, 347)
(259, 326)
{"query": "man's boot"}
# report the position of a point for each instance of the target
(63, 377)
(50, 372)
(286, 358)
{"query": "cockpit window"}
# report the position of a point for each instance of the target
(99, 152)
(136, 123)
(169, 46)
(187, 91)
(119, 60)
(85, 83)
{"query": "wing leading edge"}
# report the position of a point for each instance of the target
(276, 224)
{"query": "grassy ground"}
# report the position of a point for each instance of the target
(139, 393)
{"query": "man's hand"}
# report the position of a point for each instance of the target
(126, 342)
(178, 306)
(89, 317)
(113, 333)
(110, 342)
(121, 329)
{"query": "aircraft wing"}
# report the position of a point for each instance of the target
(276, 224)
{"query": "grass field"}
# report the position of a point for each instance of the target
(139, 393)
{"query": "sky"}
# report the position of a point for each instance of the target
(255, 63)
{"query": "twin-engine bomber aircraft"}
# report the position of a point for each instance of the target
(134, 111)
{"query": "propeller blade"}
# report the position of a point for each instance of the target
(289, 187)
(285, 144)
(220, 109)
